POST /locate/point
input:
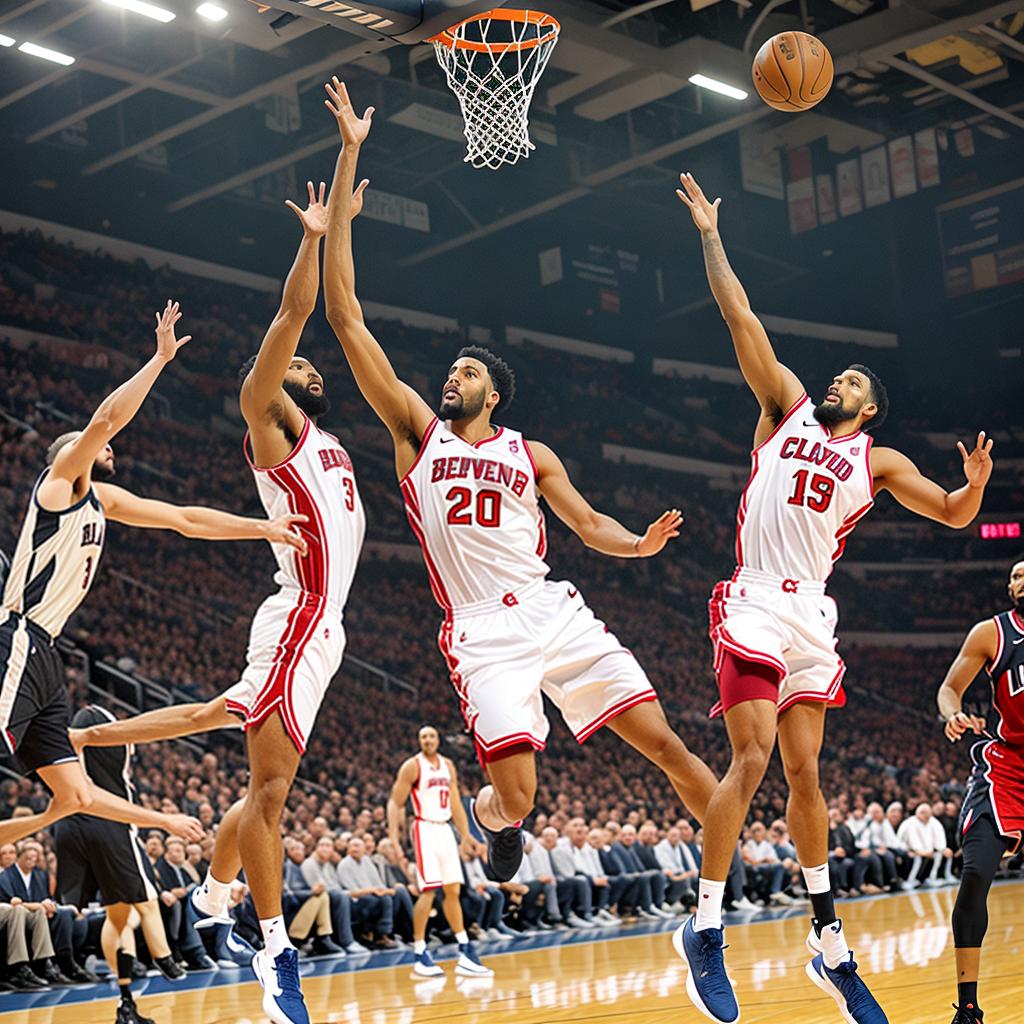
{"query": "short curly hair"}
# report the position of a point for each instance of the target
(502, 375)
(879, 396)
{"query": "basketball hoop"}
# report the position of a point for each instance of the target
(493, 62)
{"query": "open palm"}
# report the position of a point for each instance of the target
(704, 213)
(314, 217)
(353, 129)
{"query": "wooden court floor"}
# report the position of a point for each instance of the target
(903, 945)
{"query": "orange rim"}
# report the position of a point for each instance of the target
(538, 18)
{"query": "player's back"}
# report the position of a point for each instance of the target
(475, 511)
(431, 796)
(55, 560)
(317, 481)
(807, 491)
(1007, 673)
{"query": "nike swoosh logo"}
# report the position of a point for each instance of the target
(446, 440)
(573, 592)
(1020, 641)
(812, 423)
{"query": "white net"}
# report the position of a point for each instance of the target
(493, 63)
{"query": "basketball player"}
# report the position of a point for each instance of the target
(106, 857)
(472, 492)
(992, 816)
(815, 474)
(430, 779)
(53, 568)
(297, 639)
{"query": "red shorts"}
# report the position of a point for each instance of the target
(996, 787)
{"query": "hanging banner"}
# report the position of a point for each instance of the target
(848, 187)
(926, 154)
(761, 163)
(803, 214)
(826, 195)
(874, 168)
(901, 167)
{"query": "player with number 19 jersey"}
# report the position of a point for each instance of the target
(807, 491)
(509, 633)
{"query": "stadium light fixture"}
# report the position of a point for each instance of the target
(46, 54)
(211, 12)
(6, 41)
(146, 10)
(715, 86)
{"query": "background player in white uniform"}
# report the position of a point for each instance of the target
(54, 565)
(431, 781)
(814, 475)
(297, 638)
(472, 494)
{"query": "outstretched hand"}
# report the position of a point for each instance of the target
(167, 344)
(660, 532)
(285, 530)
(978, 463)
(314, 217)
(353, 129)
(704, 213)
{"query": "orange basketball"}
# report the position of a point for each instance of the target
(792, 71)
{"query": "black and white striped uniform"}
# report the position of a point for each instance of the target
(95, 855)
(52, 570)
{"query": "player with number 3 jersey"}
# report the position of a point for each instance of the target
(472, 494)
(814, 475)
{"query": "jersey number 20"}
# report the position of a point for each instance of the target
(487, 510)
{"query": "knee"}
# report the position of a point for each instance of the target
(750, 761)
(516, 801)
(269, 796)
(665, 747)
(802, 777)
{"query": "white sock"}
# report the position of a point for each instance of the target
(275, 936)
(816, 879)
(709, 905)
(419, 946)
(833, 944)
(212, 896)
(461, 938)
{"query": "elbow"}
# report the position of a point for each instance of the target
(341, 313)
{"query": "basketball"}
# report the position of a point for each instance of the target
(792, 71)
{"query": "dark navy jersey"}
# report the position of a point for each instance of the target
(108, 767)
(1007, 673)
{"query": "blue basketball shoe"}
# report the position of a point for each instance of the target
(424, 967)
(282, 996)
(707, 984)
(844, 985)
(228, 949)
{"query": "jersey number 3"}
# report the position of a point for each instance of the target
(822, 488)
(487, 510)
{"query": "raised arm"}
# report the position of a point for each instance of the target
(115, 412)
(895, 473)
(978, 650)
(397, 800)
(596, 530)
(262, 398)
(775, 386)
(196, 521)
(402, 411)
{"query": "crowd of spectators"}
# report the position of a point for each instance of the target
(177, 613)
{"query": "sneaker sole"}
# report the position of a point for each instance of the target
(467, 973)
(691, 985)
(828, 988)
(427, 972)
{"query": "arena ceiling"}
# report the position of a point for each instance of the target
(181, 133)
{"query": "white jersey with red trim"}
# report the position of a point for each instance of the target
(475, 510)
(317, 481)
(431, 796)
(806, 493)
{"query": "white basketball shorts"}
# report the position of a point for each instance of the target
(295, 648)
(503, 654)
(787, 624)
(437, 854)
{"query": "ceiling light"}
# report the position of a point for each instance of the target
(141, 7)
(41, 51)
(211, 12)
(6, 41)
(715, 86)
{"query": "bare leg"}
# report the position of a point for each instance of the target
(227, 861)
(509, 797)
(153, 929)
(421, 915)
(273, 762)
(645, 728)
(751, 728)
(110, 936)
(453, 907)
(801, 730)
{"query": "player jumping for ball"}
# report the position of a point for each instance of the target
(992, 816)
(814, 475)
(472, 494)
(53, 568)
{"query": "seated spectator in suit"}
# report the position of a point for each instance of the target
(394, 879)
(653, 883)
(765, 874)
(175, 883)
(373, 902)
(841, 850)
(307, 907)
(676, 888)
(24, 940)
(322, 868)
(566, 894)
(490, 914)
(785, 850)
(676, 859)
(26, 884)
(610, 885)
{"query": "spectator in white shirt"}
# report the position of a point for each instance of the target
(766, 874)
(925, 840)
(372, 901)
(878, 839)
(676, 860)
(587, 861)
